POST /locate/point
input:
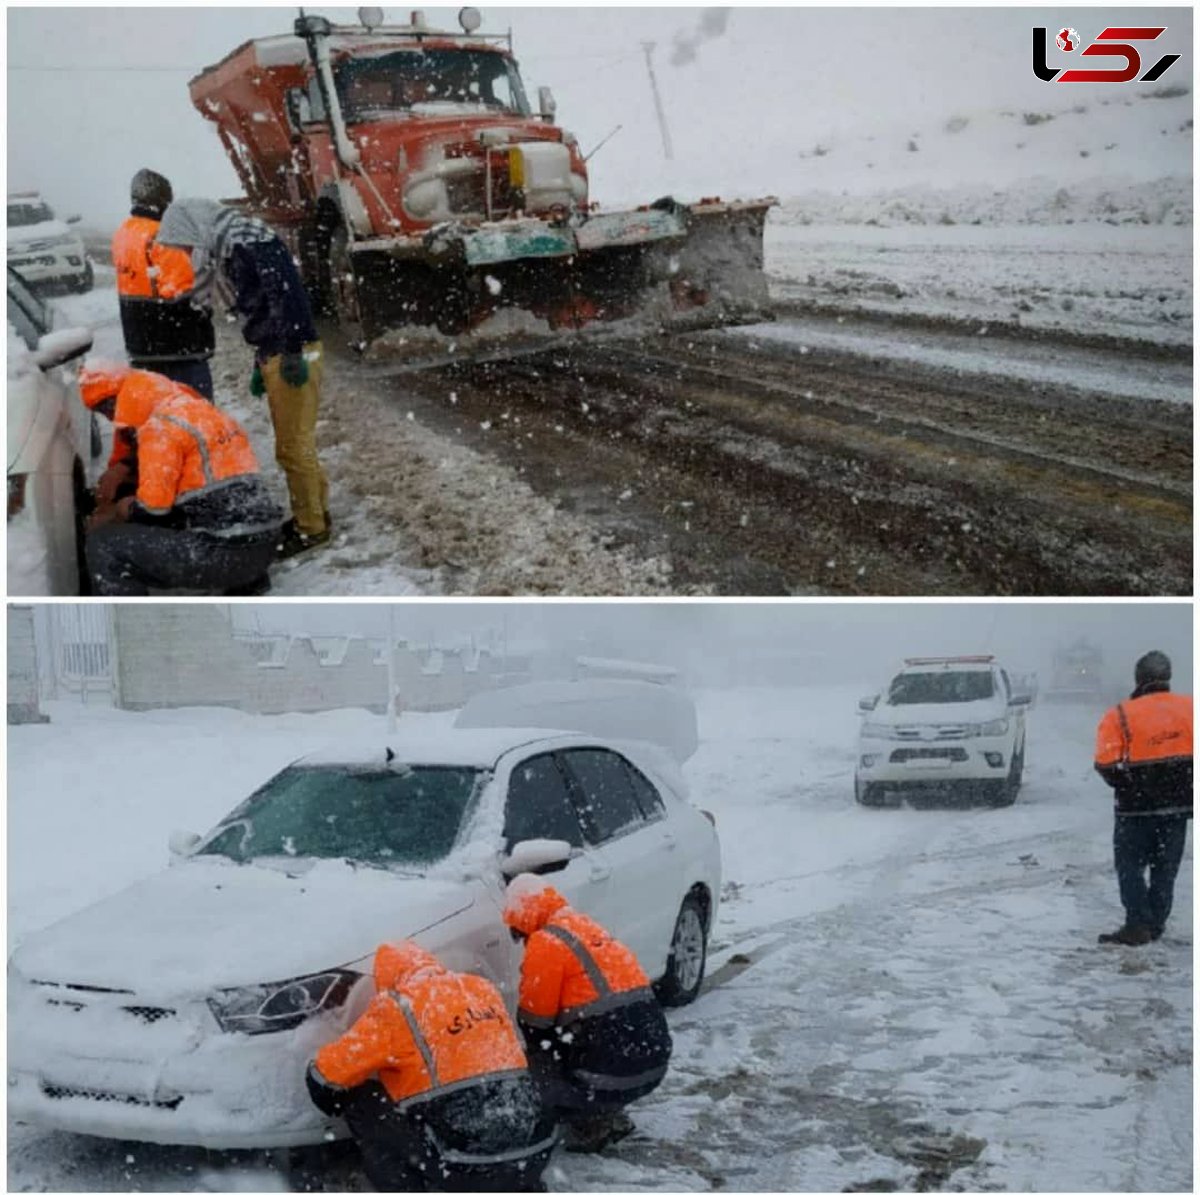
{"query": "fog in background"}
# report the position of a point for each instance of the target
(96, 93)
(804, 644)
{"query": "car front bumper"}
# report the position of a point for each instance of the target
(68, 264)
(108, 1071)
(942, 765)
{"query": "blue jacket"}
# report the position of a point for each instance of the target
(269, 298)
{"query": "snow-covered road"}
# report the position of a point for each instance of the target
(896, 997)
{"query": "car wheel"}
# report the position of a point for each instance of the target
(689, 952)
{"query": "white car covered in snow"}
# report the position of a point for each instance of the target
(46, 251)
(185, 1008)
(947, 727)
(52, 439)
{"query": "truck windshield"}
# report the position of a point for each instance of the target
(21, 215)
(419, 79)
(398, 816)
(940, 688)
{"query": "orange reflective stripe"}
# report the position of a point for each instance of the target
(1126, 737)
(414, 1027)
(201, 445)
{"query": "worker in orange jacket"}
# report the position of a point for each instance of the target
(167, 328)
(201, 516)
(434, 1084)
(1144, 752)
(596, 1036)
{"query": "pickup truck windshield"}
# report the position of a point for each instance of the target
(408, 80)
(401, 816)
(940, 688)
(22, 215)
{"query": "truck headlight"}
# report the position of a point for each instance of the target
(992, 730)
(273, 1007)
(876, 730)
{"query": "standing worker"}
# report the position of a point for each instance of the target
(1144, 751)
(434, 1084)
(201, 517)
(166, 328)
(253, 271)
(596, 1036)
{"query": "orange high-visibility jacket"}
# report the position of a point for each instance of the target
(426, 1030)
(1144, 751)
(184, 443)
(146, 269)
(572, 965)
(1147, 729)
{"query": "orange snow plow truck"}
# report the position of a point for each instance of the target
(417, 188)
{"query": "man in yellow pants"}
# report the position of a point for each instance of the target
(251, 269)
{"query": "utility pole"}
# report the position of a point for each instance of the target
(668, 153)
(391, 670)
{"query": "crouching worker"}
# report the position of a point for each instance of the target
(596, 1036)
(433, 1083)
(200, 517)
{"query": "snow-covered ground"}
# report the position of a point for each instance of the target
(896, 997)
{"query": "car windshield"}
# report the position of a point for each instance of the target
(388, 83)
(940, 688)
(28, 212)
(407, 817)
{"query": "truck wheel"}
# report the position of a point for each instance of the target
(681, 982)
(344, 287)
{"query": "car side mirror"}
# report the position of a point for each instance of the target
(181, 843)
(72, 219)
(1020, 699)
(547, 106)
(867, 704)
(57, 348)
(537, 855)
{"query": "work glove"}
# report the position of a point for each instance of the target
(110, 481)
(257, 386)
(294, 369)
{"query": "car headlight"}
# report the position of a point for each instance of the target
(273, 1007)
(996, 729)
(876, 730)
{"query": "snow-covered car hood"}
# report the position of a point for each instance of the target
(45, 231)
(938, 715)
(213, 924)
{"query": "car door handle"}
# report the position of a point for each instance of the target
(669, 840)
(600, 871)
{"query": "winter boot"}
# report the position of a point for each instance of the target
(1127, 935)
(587, 1136)
(294, 541)
(619, 1128)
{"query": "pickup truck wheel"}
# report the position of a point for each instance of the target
(689, 952)
(344, 287)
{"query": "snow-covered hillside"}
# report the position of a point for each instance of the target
(897, 1000)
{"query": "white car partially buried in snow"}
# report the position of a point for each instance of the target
(185, 1008)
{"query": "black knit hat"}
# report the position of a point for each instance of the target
(1153, 666)
(150, 190)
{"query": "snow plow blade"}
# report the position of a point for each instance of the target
(466, 294)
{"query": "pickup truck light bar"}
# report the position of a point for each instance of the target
(915, 660)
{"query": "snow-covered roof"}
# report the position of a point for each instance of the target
(451, 747)
(630, 668)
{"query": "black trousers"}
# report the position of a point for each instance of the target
(1150, 844)
(129, 559)
(190, 371)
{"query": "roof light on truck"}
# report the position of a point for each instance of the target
(469, 19)
(370, 18)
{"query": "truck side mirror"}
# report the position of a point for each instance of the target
(546, 105)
